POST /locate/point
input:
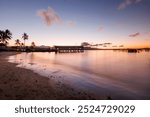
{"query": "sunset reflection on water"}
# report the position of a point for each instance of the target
(120, 74)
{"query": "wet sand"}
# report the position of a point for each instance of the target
(19, 83)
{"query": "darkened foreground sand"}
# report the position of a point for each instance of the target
(19, 83)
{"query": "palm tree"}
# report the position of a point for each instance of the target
(22, 44)
(25, 37)
(17, 42)
(32, 44)
(1, 35)
(5, 36)
(22, 47)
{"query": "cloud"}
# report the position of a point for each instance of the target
(100, 29)
(126, 3)
(49, 16)
(85, 44)
(135, 34)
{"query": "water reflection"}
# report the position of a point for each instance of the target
(119, 74)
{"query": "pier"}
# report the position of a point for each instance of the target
(69, 49)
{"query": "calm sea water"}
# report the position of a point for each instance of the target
(118, 74)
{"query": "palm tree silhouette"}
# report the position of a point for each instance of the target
(32, 44)
(5, 36)
(25, 37)
(17, 42)
(22, 44)
(1, 35)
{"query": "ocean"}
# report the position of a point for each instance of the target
(118, 74)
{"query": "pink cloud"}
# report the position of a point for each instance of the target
(126, 3)
(135, 34)
(49, 16)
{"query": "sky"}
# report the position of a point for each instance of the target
(71, 22)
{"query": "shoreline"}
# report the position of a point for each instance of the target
(20, 83)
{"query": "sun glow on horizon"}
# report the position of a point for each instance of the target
(73, 22)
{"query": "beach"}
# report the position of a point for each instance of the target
(50, 76)
(21, 84)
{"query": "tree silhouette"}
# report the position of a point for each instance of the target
(32, 44)
(17, 42)
(22, 44)
(85, 44)
(5, 36)
(25, 37)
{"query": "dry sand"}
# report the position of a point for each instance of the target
(19, 83)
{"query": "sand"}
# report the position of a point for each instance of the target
(22, 84)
